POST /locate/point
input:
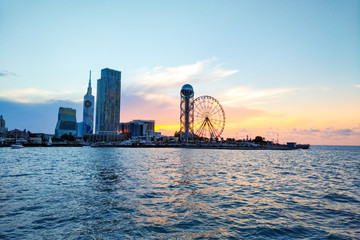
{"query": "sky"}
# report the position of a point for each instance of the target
(284, 70)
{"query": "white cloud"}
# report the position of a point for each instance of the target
(33, 95)
(163, 83)
(155, 97)
(327, 132)
(250, 97)
(358, 86)
(167, 77)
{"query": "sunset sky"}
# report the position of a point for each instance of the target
(286, 70)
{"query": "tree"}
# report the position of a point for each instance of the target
(71, 138)
(64, 137)
(259, 140)
(67, 137)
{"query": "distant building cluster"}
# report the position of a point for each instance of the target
(107, 118)
(20, 136)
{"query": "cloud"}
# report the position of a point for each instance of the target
(327, 132)
(161, 85)
(250, 97)
(357, 86)
(341, 132)
(156, 97)
(161, 77)
(7, 73)
(33, 95)
(310, 131)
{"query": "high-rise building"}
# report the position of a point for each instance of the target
(3, 128)
(66, 123)
(88, 111)
(108, 102)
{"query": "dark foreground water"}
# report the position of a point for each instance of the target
(114, 193)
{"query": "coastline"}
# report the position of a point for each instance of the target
(184, 146)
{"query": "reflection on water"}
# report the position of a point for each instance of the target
(114, 193)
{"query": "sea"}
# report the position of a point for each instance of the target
(174, 193)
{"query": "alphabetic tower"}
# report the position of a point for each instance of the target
(186, 113)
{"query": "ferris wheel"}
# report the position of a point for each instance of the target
(209, 117)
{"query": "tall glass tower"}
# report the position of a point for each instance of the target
(88, 110)
(108, 102)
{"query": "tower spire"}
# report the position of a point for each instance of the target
(90, 79)
(89, 88)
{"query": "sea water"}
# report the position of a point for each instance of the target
(149, 193)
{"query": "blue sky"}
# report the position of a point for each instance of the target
(297, 60)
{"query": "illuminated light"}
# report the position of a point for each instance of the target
(168, 127)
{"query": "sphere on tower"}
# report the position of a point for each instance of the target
(187, 90)
(186, 112)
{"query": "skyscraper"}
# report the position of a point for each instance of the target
(66, 123)
(88, 111)
(3, 129)
(108, 102)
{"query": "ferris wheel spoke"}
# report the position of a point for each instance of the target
(210, 128)
(217, 111)
(198, 124)
(199, 120)
(197, 113)
(215, 118)
(201, 129)
(214, 132)
(217, 129)
(203, 103)
(210, 106)
(217, 123)
(202, 108)
(206, 104)
(214, 107)
(201, 133)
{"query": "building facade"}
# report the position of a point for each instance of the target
(3, 128)
(108, 102)
(88, 111)
(138, 128)
(66, 123)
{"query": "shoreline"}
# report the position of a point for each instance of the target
(184, 146)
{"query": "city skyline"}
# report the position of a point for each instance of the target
(286, 70)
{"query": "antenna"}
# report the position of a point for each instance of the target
(89, 88)
(90, 79)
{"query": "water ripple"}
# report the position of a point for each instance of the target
(86, 193)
